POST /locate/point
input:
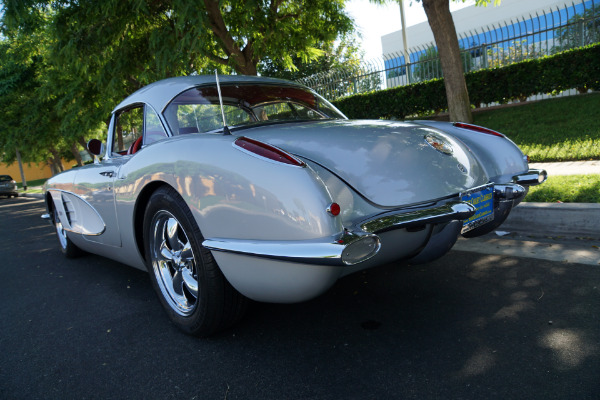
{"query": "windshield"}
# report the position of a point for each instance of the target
(198, 110)
(4, 178)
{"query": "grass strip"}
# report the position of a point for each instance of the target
(30, 184)
(561, 129)
(567, 189)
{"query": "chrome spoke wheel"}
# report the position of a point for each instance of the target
(60, 231)
(173, 263)
(186, 278)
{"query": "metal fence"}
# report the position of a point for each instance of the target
(532, 36)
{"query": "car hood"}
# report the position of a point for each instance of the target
(389, 163)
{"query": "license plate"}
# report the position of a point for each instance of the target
(483, 200)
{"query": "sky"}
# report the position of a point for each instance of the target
(374, 21)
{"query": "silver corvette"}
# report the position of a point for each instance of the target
(256, 188)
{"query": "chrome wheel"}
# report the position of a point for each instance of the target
(173, 263)
(67, 247)
(189, 284)
(60, 231)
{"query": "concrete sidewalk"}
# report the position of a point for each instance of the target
(568, 232)
(569, 167)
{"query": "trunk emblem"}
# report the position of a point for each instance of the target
(462, 168)
(440, 144)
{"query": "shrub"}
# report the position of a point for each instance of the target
(577, 68)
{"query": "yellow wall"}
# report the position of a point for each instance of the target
(32, 171)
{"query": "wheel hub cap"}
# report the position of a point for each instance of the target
(174, 263)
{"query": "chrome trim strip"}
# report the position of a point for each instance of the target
(455, 210)
(320, 251)
(532, 177)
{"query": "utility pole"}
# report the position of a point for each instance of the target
(404, 41)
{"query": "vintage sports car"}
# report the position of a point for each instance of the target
(260, 189)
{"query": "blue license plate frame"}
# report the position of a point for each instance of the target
(483, 200)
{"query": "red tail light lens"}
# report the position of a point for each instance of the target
(334, 209)
(267, 151)
(476, 128)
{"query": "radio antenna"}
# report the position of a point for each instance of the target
(225, 128)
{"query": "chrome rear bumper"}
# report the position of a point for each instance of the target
(456, 210)
(360, 243)
(348, 249)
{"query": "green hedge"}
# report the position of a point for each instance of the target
(578, 68)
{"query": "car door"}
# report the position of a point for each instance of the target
(97, 184)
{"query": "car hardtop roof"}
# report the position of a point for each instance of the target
(160, 93)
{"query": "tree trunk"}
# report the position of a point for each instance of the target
(23, 181)
(75, 152)
(444, 32)
(83, 144)
(55, 162)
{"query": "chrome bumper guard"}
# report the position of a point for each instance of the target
(509, 191)
(532, 177)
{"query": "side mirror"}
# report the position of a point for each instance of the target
(95, 147)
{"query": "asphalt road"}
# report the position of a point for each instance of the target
(468, 326)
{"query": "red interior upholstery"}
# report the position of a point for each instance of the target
(135, 146)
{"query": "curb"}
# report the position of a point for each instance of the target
(33, 195)
(563, 219)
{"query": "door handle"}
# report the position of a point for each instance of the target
(108, 174)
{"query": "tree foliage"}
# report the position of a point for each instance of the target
(66, 63)
(334, 54)
(30, 121)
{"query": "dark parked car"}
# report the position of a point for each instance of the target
(8, 186)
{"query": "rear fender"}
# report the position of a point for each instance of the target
(231, 193)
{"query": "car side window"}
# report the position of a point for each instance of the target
(129, 128)
(154, 129)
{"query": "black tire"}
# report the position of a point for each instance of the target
(192, 289)
(67, 247)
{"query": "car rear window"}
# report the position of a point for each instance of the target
(4, 178)
(198, 110)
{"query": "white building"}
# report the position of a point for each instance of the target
(478, 18)
(491, 36)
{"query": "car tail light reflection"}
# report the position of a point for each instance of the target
(476, 128)
(267, 151)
